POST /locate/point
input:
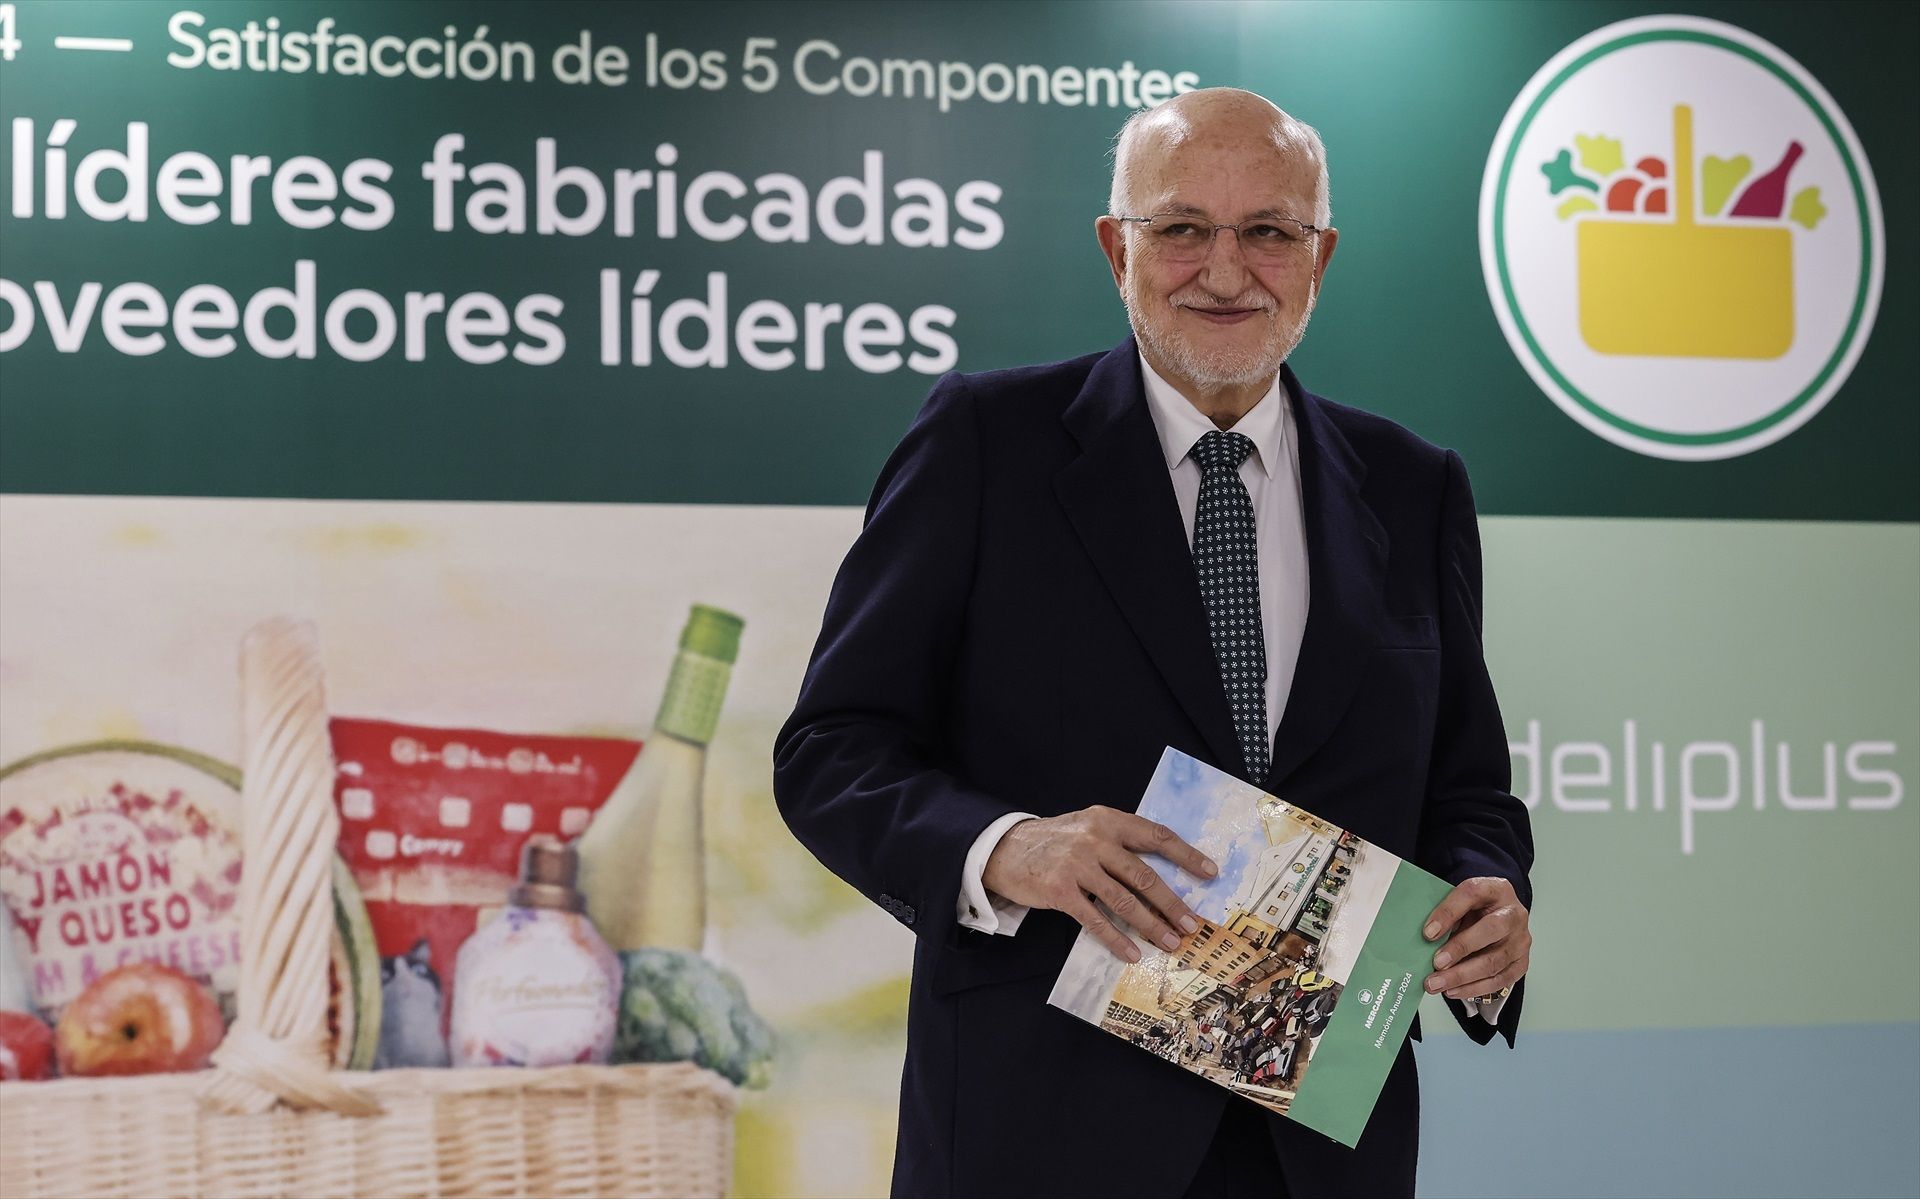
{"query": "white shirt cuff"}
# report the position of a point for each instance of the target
(979, 908)
(1488, 1010)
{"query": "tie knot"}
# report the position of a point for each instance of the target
(1218, 450)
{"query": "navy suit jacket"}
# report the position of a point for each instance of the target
(1018, 627)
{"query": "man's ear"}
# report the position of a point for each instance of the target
(1112, 235)
(1329, 238)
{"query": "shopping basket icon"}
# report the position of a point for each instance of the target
(1684, 290)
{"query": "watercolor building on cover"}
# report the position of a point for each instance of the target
(1248, 1000)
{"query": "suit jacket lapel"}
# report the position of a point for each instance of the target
(1119, 497)
(1346, 565)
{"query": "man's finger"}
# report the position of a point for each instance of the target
(1146, 836)
(1508, 974)
(1104, 930)
(1471, 972)
(1145, 881)
(1510, 977)
(1464, 898)
(1489, 927)
(1130, 909)
(1507, 955)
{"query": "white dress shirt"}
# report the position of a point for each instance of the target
(1272, 477)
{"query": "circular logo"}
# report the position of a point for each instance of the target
(1681, 237)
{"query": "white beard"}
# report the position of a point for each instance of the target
(1154, 325)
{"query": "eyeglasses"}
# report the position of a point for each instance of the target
(1181, 238)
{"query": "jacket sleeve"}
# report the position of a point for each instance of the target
(1471, 825)
(862, 768)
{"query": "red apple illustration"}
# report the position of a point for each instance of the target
(139, 1019)
(26, 1047)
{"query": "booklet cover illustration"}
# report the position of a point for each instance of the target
(1299, 986)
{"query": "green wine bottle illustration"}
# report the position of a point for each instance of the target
(643, 859)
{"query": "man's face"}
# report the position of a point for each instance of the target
(1228, 317)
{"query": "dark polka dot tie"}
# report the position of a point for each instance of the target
(1226, 559)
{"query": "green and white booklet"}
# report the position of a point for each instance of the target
(1300, 984)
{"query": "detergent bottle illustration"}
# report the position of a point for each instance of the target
(1683, 289)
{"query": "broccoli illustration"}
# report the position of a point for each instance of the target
(679, 1007)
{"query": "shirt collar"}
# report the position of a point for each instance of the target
(1180, 424)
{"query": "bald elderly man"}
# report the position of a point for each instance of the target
(1065, 569)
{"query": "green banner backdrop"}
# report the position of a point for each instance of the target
(562, 316)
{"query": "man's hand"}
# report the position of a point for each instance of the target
(1487, 943)
(1066, 862)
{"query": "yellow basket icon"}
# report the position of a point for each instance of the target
(1684, 290)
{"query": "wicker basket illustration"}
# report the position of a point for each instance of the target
(1683, 289)
(271, 1119)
